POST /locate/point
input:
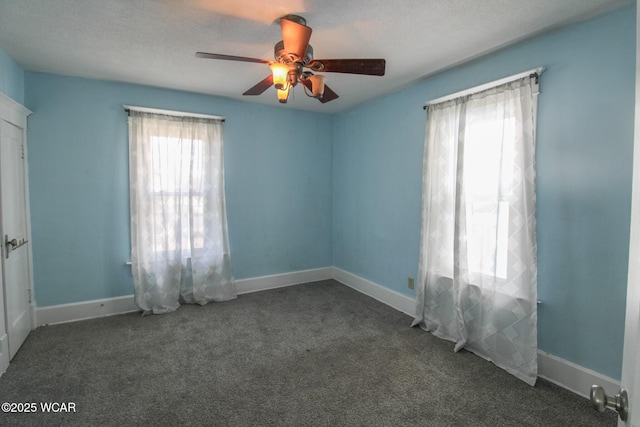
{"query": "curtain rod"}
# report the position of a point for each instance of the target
(531, 73)
(171, 112)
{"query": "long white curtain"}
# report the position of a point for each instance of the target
(478, 269)
(179, 240)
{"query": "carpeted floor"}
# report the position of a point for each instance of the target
(318, 354)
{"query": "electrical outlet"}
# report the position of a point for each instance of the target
(410, 282)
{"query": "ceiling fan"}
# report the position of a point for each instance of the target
(293, 59)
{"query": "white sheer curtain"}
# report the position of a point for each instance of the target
(478, 269)
(179, 240)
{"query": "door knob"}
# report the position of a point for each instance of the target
(9, 245)
(619, 402)
(12, 245)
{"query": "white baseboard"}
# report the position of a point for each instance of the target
(4, 353)
(72, 312)
(255, 284)
(566, 374)
(393, 299)
(552, 368)
(573, 377)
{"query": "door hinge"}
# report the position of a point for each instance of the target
(22, 149)
(29, 296)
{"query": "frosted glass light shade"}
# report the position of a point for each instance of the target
(283, 95)
(317, 85)
(279, 72)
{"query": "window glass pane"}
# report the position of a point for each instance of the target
(179, 186)
(488, 176)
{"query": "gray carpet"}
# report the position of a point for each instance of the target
(318, 354)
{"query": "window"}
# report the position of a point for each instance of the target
(478, 273)
(179, 242)
(488, 172)
(185, 203)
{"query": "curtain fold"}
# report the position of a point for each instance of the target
(478, 265)
(179, 239)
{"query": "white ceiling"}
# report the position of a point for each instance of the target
(153, 42)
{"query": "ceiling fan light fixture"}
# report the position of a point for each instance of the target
(280, 72)
(292, 55)
(317, 85)
(283, 95)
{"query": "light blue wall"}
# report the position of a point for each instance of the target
(348, 193)
(11, 78)
(584, 148)
(278, 184)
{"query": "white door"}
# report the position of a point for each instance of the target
(630, 380)
(15, 255)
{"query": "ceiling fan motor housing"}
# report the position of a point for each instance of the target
(294, 62)
(295, 18)
(281, 55)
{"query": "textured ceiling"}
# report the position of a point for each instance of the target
(153, 42)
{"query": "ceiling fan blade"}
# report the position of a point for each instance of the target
(261, 87)
(295, 36)
(230, 57)
(370, 67)
(328, 95)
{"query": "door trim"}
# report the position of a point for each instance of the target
(630, 353)
(13, 112)
(16, 114)
(4, 352)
